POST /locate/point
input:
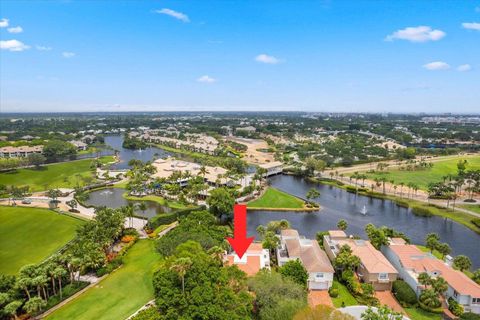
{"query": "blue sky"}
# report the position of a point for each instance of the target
(375, 56)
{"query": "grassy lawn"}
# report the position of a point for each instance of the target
(121, 293)
(419, 314)
(424, 177)
(157, 199)
(437, 254)
(58, 175)
(343, 296)
(471, 207)
(29, 235)
(274, 198)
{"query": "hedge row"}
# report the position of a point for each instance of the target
(168, 218)
(404, 293)
(421, 211)
(476, 222)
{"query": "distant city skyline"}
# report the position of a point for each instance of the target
(312, 56)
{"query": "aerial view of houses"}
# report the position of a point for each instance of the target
(239, 160)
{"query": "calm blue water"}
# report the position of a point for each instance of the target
(149, 154)
(338, 204)
(113, 198)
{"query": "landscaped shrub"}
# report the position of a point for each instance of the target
(130, 232)
(421, 211)
(164, 218)
(401, 203)
(470, 316)
(114, 264)
(127, 238)
(351, 189)
(333, 291)
(476, 222)
(455, 307)
(404, 294)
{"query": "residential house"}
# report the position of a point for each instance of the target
(23, 151)
(79, 145)
(411, 261)
(252, 261)
(272, 168)
(374, 267)
(313, 258)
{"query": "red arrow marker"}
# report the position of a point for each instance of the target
(240, 242)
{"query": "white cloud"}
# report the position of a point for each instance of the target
(4, 23)
(43, 48)
(206, 79)
(265, 58)
(437, 65)
(471, 25)
(13, 45)
(417, 34)
(175, 14)
(15, 29)
(464, 67)
(67, 54)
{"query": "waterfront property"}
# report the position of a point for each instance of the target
(212, 175)
(314, 259)
(374, 267)
(253, 260)
(272, 168)
(17, 152)
(29, 235)
(410, 261)
(194, 142)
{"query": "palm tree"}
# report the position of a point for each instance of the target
(12, 308)
(181, 266)
(142, 206)
(34, 305)
(401, 188)
(216, 253)
(59, 273)
(129, 212)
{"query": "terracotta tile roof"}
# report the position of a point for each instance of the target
(373, 260)
(418, 261)
(251, 267)
(308, 251)
(337, 234)
(250, 262)
(289, 233)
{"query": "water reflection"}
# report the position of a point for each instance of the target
(113, 198)
(338, 204)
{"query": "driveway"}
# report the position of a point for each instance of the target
(387, 298)
(316, 297)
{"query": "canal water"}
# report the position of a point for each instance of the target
(113, 198)
(338, 204)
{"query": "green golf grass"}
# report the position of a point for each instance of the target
(471, 207)
(58, 175)
(423, 177)
(29, 235)
(121, 293)
(274, 198)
